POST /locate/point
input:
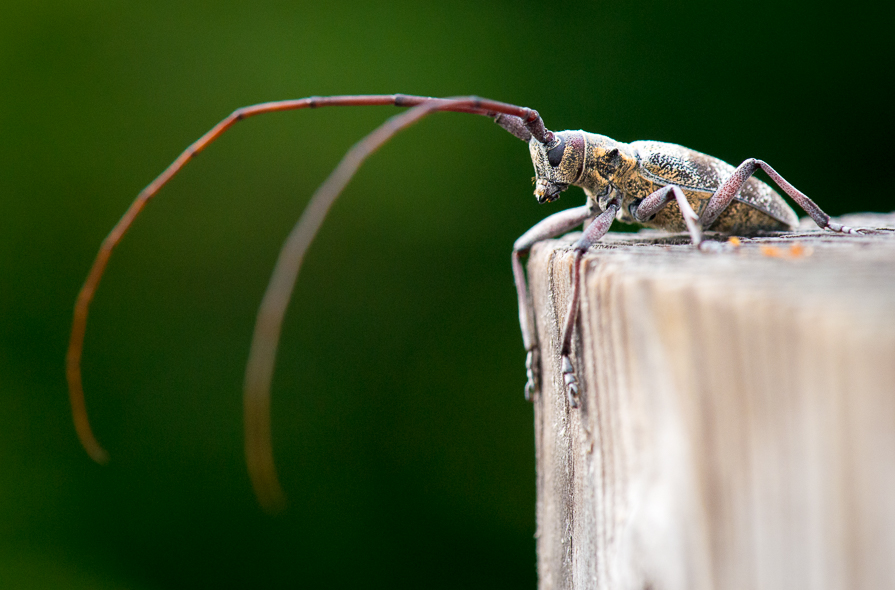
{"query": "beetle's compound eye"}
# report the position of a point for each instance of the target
(555, 152)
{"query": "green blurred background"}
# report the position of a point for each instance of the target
(399, 425)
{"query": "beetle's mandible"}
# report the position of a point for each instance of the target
(656, 184)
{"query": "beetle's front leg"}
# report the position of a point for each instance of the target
(725, 194)
(556, 224)
(596, 230)
(653, 203)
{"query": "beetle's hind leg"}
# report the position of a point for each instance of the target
(725, 194)
(552, 226)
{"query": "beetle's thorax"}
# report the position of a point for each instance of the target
(594, 162)
(607, 165)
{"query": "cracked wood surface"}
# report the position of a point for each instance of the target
(737, 419)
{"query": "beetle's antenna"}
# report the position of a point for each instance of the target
(265, 340)
(514, 125)
(264, 343)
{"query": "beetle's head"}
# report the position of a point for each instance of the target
(558, 164)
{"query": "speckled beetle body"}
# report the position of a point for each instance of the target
(606, 169)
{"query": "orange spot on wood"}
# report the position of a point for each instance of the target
(771, 251)
(795, 250)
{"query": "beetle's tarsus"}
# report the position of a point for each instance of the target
(570, 381)
(839, 228)
(845, 229)
(531, 371)
(715, 247)
(709, 246)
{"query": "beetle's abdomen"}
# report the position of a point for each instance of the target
(700, 176)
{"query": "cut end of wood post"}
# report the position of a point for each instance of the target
(736, 419)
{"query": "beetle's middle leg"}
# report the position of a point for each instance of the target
(552, 226)
(725, 194)
(653, 203)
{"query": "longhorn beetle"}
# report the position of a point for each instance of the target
(655, 184)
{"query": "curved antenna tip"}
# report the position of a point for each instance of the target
(94, 450)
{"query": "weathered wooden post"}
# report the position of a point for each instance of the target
(736, 427)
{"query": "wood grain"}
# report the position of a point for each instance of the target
(737, 419)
